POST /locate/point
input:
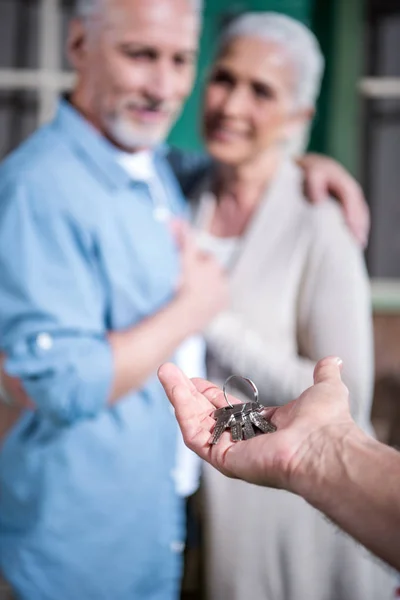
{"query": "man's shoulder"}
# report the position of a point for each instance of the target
(36, 155)
(41, 168)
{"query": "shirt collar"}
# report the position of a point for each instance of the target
(89, 143)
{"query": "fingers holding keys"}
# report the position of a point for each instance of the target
(182, 393)
(192, 410)
(171, 376)
(195, 424)
(195, 402)
(213, 393)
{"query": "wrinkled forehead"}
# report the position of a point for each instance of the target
(258, 59)
(174, 22)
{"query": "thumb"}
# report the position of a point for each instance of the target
(170, 377)
(328, 370)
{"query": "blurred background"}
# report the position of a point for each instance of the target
(358, 122)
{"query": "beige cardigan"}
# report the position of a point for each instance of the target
(299, 291)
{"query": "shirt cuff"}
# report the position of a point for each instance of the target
(68, 377)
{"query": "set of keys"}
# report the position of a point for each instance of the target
(242, 419)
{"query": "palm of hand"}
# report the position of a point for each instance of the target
(271, 459)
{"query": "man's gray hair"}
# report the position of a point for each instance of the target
(87, 8)
(297, 41)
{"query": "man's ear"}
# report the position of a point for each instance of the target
(77, 44)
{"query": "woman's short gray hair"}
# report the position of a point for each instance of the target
(299, 43)
(88, 8)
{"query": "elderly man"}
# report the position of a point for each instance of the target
(95, 294)
(92, 302)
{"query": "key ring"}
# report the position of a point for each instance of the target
(249, 381)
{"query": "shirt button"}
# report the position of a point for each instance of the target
(177, 547)
(44, 341)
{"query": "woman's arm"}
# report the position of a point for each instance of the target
(334, 315)
(324, 177)
(240, 349)
(334, 318)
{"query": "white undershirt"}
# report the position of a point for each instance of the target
(190, 356)
(223, 249)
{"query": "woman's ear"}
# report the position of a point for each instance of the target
(77, 44)
(298, 121)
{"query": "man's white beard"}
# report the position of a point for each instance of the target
(126, 135)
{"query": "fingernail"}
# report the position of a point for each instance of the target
(338, 361)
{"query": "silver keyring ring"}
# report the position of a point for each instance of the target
(249, 381)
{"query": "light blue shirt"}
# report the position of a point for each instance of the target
(190, 356)
(88, 508)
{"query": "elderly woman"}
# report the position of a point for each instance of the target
(299, 292)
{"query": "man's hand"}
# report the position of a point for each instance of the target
(317, 452)
(204, 285)
(323, 177)
(281, 459)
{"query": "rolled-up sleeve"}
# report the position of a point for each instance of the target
(52, 305)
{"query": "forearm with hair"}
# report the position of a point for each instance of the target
(355, 481)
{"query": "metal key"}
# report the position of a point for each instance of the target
(261, 423)
(222, 423)
(231, 417)
(224, 417)
(237, 409)
(240, 418)
(248, 431)
(236, 429)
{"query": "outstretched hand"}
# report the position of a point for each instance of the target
(277, 459)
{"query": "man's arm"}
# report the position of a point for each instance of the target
(155, 339)
(317, 452)
(58, 355)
